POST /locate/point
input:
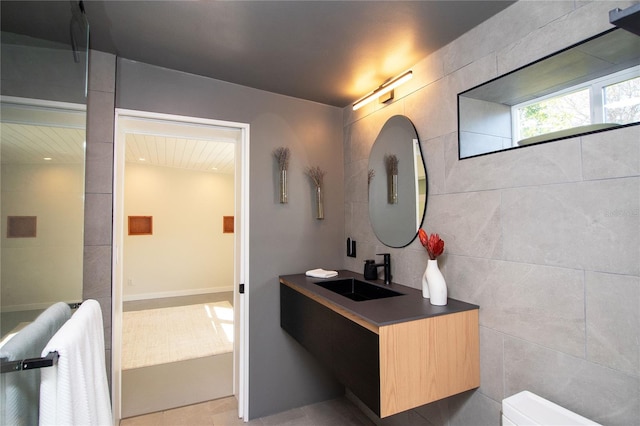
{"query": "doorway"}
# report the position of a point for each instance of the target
(180, 248)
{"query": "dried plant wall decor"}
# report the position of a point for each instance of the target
(317, 174)
(282, 155)
(391, 164)
(370, 176)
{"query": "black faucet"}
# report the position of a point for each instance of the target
(387, 267)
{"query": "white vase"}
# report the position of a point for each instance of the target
(425, 285)
(319, 204)
(437, 284)
(284, 193)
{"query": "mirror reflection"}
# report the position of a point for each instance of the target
(42, 204)
(397, 183)
(42, 150)
(590, 87)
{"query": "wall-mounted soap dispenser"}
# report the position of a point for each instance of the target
(370, 270)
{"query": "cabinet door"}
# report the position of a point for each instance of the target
(308, 322)
(357, 360)
(346, 348)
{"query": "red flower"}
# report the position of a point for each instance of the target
(433, 243)
(424, 237)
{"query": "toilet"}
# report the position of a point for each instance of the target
(526, 408)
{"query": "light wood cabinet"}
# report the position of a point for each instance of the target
(428, 359)
(391, 368)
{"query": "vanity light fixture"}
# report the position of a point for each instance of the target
(383, 89)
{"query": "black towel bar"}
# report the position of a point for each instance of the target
(29, 363)
(33, 363)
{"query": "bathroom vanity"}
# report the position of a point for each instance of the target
(392, 348)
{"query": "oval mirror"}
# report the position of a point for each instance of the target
(397, 183)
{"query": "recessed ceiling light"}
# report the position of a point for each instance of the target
(142, 159)
(47, 158)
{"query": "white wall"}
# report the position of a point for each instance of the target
(188, 253)
(37, 272)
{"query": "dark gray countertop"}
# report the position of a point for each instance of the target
(380, 312)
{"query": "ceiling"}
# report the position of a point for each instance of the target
(29, 144)
(331, 52)
(34, 144)
(45, 135)
(198, 147)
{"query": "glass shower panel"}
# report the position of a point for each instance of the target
(42, 163)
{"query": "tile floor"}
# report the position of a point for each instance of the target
(224, 412)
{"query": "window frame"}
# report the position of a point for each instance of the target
(596, 99)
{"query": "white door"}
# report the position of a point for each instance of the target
(128, 121)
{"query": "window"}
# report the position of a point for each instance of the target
(622, 101)
(607, 101)
(592, 86)
(553, 114)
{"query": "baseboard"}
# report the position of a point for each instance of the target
(176, 293)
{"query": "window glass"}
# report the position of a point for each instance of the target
(553, 114)
(622, 102)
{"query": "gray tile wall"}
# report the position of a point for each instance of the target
(546, 239)
(99, 187)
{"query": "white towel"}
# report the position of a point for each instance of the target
(321, 273)
(75, 391)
